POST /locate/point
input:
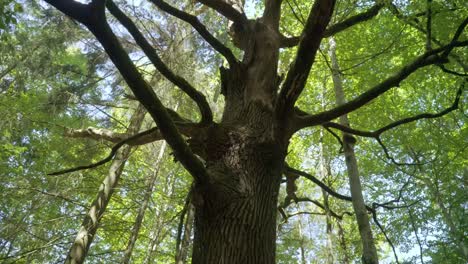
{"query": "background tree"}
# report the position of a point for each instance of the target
(277, 105)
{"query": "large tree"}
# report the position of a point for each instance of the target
(237, 162)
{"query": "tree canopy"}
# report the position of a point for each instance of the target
(116, 114)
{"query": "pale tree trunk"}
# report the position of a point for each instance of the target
(158, 229)
(302, 246)
(144, 205)
(328, 219)
(182, 251)
(324, 173)
(369, 254)
(83, 240)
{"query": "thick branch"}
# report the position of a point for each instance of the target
(78, 11)
(312, 35)
(98, 25)
(227, 10)
(338, 27)
(148, 49)
(272, 13)
(199, 27)
(428, 58)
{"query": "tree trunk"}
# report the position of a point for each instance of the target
(235, 209)
(324, 171)
(88, 228)
(144, 204)
(235, 219)
(182, 251)
(369, 252)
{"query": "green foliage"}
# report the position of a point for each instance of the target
(54, 76)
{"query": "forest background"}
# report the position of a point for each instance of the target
(64, 104)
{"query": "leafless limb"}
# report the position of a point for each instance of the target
(312, 35)
(184, 85)
(434, 56)
(376, 221)
(338, 27)
(225, 9)
(92, 15)
(377, 133)
(199, 27)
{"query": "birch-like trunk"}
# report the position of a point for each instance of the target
(88, 229)
(369, 252)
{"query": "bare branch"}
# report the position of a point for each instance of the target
(376, 221)
(199, 27)
(140, 88)
(184, 85)
(148, 136)
(318, 182)
(312, 35)
(377, 133)
(78, 11)
(428, 58)
(286, 203)
(415, 23)
(227, 10)
(272, 12)
(109, 157)
(341, 26)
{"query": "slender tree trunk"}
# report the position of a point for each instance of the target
(328, 219)
(343, 244)
(83, 240)
(144, 205)
(324, 173)
(369, 254)
(158, 229)
(182, 252)
(302, 246)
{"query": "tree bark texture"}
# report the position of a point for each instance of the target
(369, 252)
(235, 211)
(88, 229)
(235, 219)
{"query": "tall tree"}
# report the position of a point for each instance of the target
(267, 82)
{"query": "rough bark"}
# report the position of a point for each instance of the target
(144, 204)
(235, 220)
(369, 252)
(88, 229)
(235, 217)
(324, 171)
